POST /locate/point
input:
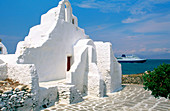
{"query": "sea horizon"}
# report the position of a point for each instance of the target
(136, 68)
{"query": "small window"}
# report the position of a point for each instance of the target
(72, 21)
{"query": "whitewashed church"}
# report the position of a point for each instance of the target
(57, 57)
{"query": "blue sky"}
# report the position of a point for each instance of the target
(140, 27)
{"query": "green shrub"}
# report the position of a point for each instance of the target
(158, 81)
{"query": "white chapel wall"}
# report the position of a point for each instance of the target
(108, 66)
(48, 49)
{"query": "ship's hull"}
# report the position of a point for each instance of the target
(131, 61)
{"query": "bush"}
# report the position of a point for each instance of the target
(158, 81)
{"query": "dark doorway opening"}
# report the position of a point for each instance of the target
(68, 63)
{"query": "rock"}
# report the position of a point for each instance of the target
(9, 95)
(21, 87)
(17, 90)
(28, 88)
(4, 95)
(19, 99)
(29, 95)
(13, 97)
(8, 92)
(8, 88)
(22, 101)
(22, 92)
(18, 93)
(4, 109)
(9, 103)
(25, 97)
(3, 82)
(21, 95)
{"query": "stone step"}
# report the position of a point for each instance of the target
(68, 94)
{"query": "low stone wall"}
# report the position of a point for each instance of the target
(20, 90)
(132, 79)
(16, 99)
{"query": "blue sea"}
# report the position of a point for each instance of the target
(135, 68)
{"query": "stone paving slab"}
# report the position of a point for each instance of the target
(130, 98)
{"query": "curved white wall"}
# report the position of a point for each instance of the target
(78, 74)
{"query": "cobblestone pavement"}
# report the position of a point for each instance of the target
(130, 98)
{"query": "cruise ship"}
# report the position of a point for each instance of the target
(130, 59)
